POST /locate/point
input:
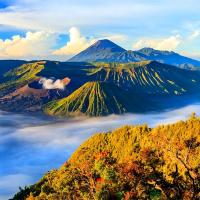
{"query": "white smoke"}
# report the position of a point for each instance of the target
(52, 84)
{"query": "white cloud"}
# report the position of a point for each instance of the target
(96, 16)
(169, 43)
(54, 84)
(115, 37)
(40, 45)
(194, 35)
(30, 14)
(195, 55)
(33, 45)
(75, 44)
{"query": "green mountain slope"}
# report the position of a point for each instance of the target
(20, 90)
(148, 77)
(119, 82)
(132, 162)
(94, 99)
(20, 76)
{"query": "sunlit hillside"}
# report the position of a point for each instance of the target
(132, 162)
(95, 99)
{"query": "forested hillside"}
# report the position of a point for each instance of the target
(132, 162)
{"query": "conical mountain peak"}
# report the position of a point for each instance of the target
(94, 99)
(107, 44)
(99, 51)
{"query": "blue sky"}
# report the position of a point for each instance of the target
(32, 29)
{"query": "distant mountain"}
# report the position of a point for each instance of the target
(95, 99)
(169, 57)
(100, 51)
(107, 51)
(147, 77)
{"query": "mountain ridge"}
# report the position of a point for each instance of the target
(93, 54)
(131, 162)
(99, 50)
(146, 79)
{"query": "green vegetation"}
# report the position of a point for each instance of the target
(132, 162)
(147, 77)
(97, 88)
(115, 85)
(94, 99)
(20, 76)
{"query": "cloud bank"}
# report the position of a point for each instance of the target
(31, 148)
(32, 15)
(33, 44)
(169, 43)
(195, 34)
(41, 45)
(76, 43)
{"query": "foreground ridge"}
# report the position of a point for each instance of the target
(132, 162)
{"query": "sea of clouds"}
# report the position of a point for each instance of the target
(32, 145)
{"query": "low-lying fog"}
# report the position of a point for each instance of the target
(32, 145)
